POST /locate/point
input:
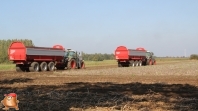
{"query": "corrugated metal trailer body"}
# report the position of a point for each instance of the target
(133, 52)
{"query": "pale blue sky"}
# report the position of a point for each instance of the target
(166, 27)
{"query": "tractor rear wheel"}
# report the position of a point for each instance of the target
(50, 66)
(71, 64)
(149, 62)
(43, 66)
(34, 67)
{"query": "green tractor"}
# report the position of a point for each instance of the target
(72, 60)
(150, 58)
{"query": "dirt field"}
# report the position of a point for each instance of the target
(170, 86)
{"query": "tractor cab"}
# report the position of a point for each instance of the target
(69, 54)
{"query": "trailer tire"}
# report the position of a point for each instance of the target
(20, 68)
(71, 64)
(136, 63)
(43, 66)
(119, 64)
(140, 63)
(50, 66)
(132, 63)
(34, 67)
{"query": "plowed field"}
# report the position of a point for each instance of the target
(172, 86)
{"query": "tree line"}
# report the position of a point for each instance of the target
(194, 56)
(4, 45)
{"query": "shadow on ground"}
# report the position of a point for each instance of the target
(16, 80)
(76, 96)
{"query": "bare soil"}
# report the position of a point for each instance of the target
(170, 86)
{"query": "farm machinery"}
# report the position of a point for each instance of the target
(134, 57)
(36, 59)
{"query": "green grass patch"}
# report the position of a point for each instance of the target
(100, 63)
(7, 67)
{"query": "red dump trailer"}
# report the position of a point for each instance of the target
(35, 59)
(133, 57)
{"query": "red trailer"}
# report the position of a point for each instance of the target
(133, 57)
(35, 59)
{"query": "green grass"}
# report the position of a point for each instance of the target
(100, 63)
(7, 67)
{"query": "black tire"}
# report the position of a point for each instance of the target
(82, 65)
(50, 66)
(34, 67)
(20, 68)
(136, 63)
(140, 63)
(71, 64)
(43, 66)
(132, 63)
(120, 64)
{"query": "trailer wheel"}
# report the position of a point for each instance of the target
(50, 66)
(132, 63)
(34, 67)
(136, 63)
(140, 63)
(71, 64)
(43, 66)
(119, 64)
(19, 68)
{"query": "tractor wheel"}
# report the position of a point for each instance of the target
(34, 67)
(50, 66)
(149, 62)
(140, 63)
(71, 64)
(132, 63)
(82, 65)
(20, 68)
(154, 62)
(43, 66)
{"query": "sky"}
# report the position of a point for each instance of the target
(165, 27)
